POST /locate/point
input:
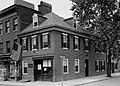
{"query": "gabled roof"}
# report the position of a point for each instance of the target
(52, 20)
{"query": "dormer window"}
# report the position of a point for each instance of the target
(35, 20)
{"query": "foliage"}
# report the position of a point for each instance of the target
(101, 17)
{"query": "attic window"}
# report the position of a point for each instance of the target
(35, 20)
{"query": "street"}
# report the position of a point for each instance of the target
(110, 82)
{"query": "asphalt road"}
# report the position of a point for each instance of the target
(110, 82)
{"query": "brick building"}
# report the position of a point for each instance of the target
(50, 41)
(12, 21)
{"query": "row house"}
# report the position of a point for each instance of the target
(54, 47)
(13, 20)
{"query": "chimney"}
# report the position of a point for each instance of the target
(24, 3)
(44, 8)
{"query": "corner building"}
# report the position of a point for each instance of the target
(54, 47)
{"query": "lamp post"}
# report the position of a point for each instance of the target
(62, 59)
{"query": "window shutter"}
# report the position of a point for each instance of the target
(68, 41)
(41, 41)
(49, 40)
(73, 42)
(37, 44)
(79, 42)
(95, 65)
(27, 43)
(30, 43)
(61, 40)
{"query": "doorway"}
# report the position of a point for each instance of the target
(86, 67)
(43, 70)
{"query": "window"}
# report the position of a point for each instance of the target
(24, 67)
(76, 65)
(1, 47)
(97, 65)
(65, 41)
(65, 66)
(8, 47)
(103, 65)
(35, 20)
(1, 29)
(87, 46)
(76, 43)
(47, 64)
(34, 42)
(7, 26)
(15, 24)
(45, 41)
(24, 44)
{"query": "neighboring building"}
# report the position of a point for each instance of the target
(12, 21)
(49, 39)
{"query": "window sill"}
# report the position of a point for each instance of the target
(7, 33)
(97, 71)
(25, 73)
(24, 51)
(77, 72)
(45, 48)
(65, 48)
(34, 49)
(76, 49)
(86, 50)
(65, 73)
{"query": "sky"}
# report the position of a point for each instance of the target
(59, 7)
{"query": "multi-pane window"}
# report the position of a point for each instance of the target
(1, 29)
(47, 64)
(45, 41)
(15, 24)
(1, 47)
(76, 43)
(24, 44)
(34, 42)
(7, 27)
(87, 46)
(24, 67)
(7, 46)
(97, 65)
(76, 65)
(65, 41)
(35, 20)
(103, 65)
(65, 66)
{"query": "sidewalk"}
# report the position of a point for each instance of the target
(74, 82)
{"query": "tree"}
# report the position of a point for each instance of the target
(101, 18)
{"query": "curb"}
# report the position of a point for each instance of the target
(96, 81)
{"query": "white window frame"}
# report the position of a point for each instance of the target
(23, 65)
(76, 38)
(103, 64)
(78, 61)
(65, 40)
(67, 64)
(24, 39)
(35, 19)
(1, 28)
(97, 64)
(86, 44)
(7, 26)
(43, 40)
(15, 22)
(34, 37)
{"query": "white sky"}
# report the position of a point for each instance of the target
(59, 7)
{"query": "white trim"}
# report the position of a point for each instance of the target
(65, 48)
(67, 66)
(45, 33)
(64, 34)
(23, 68)
(34, 36)
(77, 65)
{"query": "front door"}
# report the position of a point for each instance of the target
(43, 70)
(86, 68)
(38, 70)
